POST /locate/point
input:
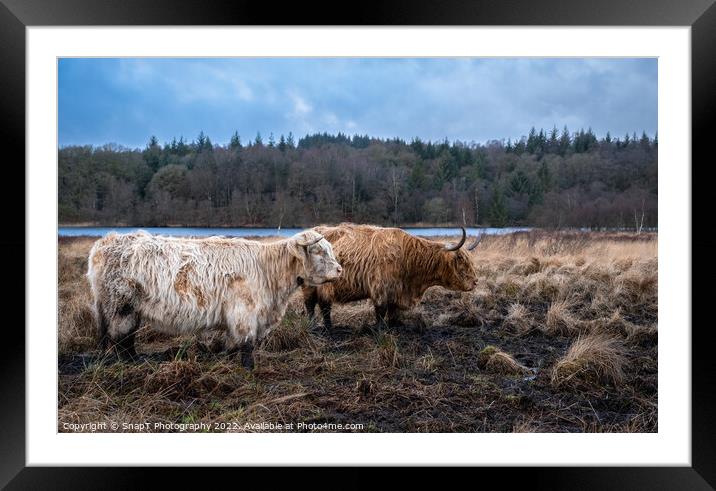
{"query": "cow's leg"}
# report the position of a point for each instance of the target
(243, 330)
(233, 340)
(122, 329)
(393, 315)
(381, 315)
(218, 343)
(326, 313)
(310, 299)
(247, 355)
(231, 347)
(243, 350)
(127, 347)
(102, 327)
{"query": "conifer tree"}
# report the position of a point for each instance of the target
(235, 142)
(498, 208)
(564, 142)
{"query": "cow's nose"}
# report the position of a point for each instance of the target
(339, 269)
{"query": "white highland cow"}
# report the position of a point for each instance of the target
(178, 285)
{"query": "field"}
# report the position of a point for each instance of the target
(560, 336)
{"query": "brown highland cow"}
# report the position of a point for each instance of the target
(389, 266)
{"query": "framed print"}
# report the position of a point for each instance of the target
(433, 237)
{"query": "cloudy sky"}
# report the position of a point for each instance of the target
(125, 101)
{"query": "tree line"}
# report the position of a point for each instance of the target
(547, 179)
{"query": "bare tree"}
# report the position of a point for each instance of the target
(279, 208)
(396, 182)
(639, 223)
(477, 206)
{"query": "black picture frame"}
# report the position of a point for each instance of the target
(700, 15)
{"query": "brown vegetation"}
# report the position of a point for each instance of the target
(597, 358)
(560, 335)
(493, 360)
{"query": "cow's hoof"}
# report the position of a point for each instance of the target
(247, 361)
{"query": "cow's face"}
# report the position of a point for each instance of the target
(316, 254)
(458, 271)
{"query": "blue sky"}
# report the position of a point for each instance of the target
(126, 100)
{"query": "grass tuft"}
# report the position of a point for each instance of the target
(594, 359)
(560, 321)
(294, 332)
(494, 360)
(519, 319)
(386, 352)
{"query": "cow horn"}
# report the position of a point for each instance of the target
(310, 242)
(474, 244)
(459, 244)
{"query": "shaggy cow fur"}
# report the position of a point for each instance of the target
(179, 285)
(389, 266)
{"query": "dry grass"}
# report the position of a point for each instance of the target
(578, 310)
(518, 317)
(76, 317)
(560, 321)
(494, 360)
(593, 358)
(429, 362)
(387, 353)
(563, 284)
(293, 333)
